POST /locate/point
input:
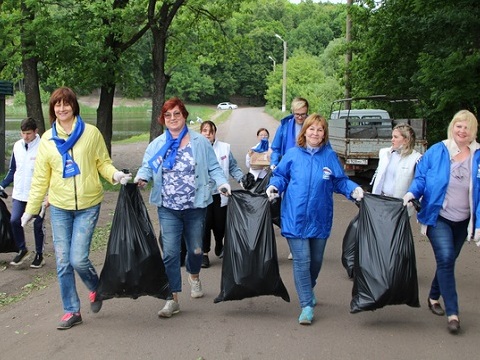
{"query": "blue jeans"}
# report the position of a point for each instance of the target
(18, 208)
(72, 235)
(447, 239)
(307, 262)
(174, 225)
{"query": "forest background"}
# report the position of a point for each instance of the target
(208, 51)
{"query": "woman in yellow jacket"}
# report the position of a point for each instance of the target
(71, 156)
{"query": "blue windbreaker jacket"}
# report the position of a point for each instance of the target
(308, 182)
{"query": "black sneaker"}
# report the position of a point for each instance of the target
(68, 320)
(20, 258)
(38, 262)
(218, 248)
(205, 262)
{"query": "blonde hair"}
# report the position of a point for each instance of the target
(406, 131)
(298, 103)
(309, 121)
(469, 118)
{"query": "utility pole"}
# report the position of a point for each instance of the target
(348, 55)
(284, 83)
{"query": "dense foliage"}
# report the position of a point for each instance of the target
(208, 51)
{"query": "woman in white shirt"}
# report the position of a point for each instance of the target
(396, 166)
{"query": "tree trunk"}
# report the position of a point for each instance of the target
(105, 114)
(33, 100)
(159, 80)
(30, 72)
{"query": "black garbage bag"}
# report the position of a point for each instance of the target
(133, 264)
(248, 181)
(348, 246)
(7, 244)
(385, 270)
(275, 205)
(250, 264)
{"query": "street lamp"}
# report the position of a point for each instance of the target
(284, 87)
(274, 62)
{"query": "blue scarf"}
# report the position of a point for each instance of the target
(70, 167)
(170, 144)
(262, 146)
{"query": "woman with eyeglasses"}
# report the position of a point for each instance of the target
(447, 182)
(181, 162)
(287, 133)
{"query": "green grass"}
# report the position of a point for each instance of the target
(39, 282)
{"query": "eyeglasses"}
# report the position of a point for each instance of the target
(304, 115)
(176, 115)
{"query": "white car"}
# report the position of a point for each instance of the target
(226, 106)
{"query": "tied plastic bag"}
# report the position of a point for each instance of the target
(275, 204)
(133, 264)
(7, 243)
(385, 270)
(250, 264)
(348, 246)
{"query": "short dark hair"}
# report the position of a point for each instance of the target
(28, 123)
(208, 123)
(68, 96)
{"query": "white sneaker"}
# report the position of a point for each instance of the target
(196, 291)
(171, 308)
(290, 257)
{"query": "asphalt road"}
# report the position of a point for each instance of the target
(256, 328)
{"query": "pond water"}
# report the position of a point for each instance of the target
(124, 126)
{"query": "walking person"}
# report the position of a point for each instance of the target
(287, 133)
(447, 184)
(396, 165)
(307, 176)
(259, 171)
(180, 162)
(216, 216)
(70, 158)
(20, 172)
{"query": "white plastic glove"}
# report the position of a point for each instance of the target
(272, 192)
(26, 218)
(357, 194)
(121, 177)
(406, 199)
(476, 237)
(225, 189)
